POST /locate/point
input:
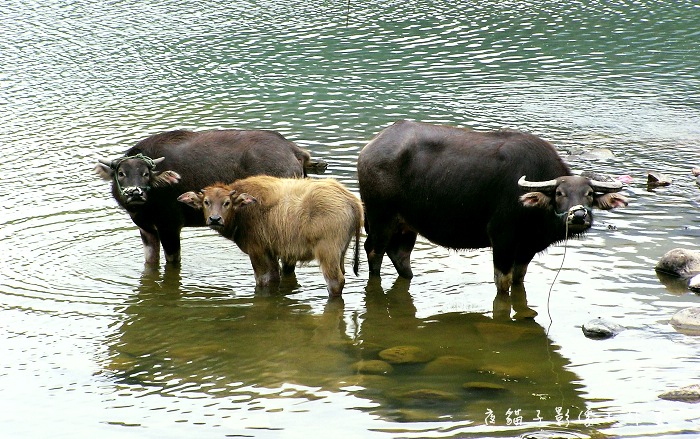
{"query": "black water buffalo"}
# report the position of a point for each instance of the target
(147, 180)
(464, 189)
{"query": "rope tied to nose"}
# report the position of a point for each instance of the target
(117, 162)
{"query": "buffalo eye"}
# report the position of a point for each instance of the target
(121, 174)
(206, 202)
(145, 174)
(560, 194)
(227, 203)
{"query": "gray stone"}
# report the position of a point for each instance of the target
(372, 367)
(600, 329)
(449, 365)
(684, 394)
(687, 321)
(655, 179)
(679, 262)
(405, 355)
(483, 387)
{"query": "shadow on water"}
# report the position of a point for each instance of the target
(446, 367)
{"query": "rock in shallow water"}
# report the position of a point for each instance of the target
(449, 365)
(600, 329)
(679, 262)
(655, 179)
(405, 355)
(372, 367)
(684, 394)
(687, 321)
(483, 387)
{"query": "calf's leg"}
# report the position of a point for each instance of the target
(329, 259)
(288, 267)
(266, 269)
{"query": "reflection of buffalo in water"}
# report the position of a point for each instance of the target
(247, 348)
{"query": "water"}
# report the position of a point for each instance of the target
(94, 344)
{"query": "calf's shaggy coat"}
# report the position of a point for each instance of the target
(288, 220)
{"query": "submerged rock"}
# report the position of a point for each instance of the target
(684, 394)
(687, 321)
(427, 396)
(483, 387)
(372, 367)
(405, 355)
(449, 365)
(600, 329)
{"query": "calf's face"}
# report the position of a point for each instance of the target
(219, 204)
(572, 199)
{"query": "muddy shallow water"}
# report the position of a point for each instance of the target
(94, 343)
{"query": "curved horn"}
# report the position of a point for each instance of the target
(157, 161)
(605, 186)
(539, 186)
(105, 162)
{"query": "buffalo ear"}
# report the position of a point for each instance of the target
(610, 201)
(535, 199)
(244, 200)
(192, 199)
(104, 171)
(165, 178)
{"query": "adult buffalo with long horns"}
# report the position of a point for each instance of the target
(463, 189)
(150, 176)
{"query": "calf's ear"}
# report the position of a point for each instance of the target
(104, 171)
(535, 199)
(192, 199)
(165, 178)
(244, 200)
(610, 201)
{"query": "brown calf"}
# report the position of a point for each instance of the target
(285, 219)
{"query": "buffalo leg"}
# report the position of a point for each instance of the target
(330, 262)
(266, 269)
(380, 229)
(170, 239)
(374, 256)
(399, 251)
(503, 281)
(151, 246)
(518, 293)
(288, 267)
